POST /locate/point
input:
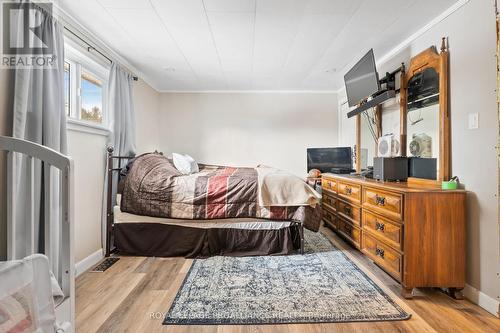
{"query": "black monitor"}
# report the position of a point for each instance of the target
(362, 80)
(329, 159)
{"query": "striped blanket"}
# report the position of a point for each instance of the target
(154, 187)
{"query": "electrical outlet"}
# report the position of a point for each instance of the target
(473, 120)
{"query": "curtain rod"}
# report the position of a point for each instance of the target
(92, 48)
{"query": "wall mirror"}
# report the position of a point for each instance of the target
(368, 138)
(368, 130)
(422, 118)
(424, 111)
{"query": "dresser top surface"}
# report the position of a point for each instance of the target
(385, 185)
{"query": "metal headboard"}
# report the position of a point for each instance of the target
(111, 169)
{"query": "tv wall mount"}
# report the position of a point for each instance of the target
(381, 96)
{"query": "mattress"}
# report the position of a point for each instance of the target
(233, 223)
(167, 237)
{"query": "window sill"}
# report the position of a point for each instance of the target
(85, 127)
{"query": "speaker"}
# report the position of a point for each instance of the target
(390, 168)
(422, 167)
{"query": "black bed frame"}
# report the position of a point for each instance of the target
(111, 169)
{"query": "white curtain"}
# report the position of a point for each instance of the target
(120, 108)
(38, 116)
(121, 111)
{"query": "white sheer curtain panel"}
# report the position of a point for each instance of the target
(120, 108)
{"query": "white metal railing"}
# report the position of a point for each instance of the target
(64, 164)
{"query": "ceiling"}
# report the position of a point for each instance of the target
(198, 45)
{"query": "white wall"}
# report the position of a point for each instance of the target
(147, 113)
(472, 41)
(88, 152)
(247, 129)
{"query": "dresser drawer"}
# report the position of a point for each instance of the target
(350, 192)
(329, 184)
(349, 212)
(386, 203)
(328, 215)
(330, 219)
(329, 201)
(380, 227)
(350, 232)
(390, 260)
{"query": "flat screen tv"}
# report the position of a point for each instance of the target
(329, 159)
(362, 80)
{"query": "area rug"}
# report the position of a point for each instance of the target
(323, 285)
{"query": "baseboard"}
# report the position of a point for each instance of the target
(486, 302)
(88, 262)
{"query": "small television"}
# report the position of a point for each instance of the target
(336, 160)
(361, 81)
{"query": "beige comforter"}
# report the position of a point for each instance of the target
(281, 188)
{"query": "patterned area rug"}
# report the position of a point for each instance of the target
(323, 285)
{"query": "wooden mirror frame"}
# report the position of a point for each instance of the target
(430, 58)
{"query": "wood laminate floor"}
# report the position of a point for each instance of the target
(135, 293)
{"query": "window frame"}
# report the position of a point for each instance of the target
(80, 61)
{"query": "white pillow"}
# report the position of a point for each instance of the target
(185, 163)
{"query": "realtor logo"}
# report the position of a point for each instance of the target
(23, 43)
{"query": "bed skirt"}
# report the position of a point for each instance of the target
(164, 240)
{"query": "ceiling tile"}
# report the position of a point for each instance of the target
(281, 7)
(192, 35)
(150, 35)
(250, 44)
(181, 13)
(129, 4)
(334, 7)
(233, 35)
(230, 5)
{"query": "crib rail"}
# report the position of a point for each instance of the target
(49, 158)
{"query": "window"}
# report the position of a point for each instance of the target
(91, 97)
(84, 89)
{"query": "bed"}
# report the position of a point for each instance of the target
(219, 210)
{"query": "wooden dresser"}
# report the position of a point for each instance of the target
(415, 234)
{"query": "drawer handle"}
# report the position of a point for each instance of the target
(379, 226)
(379, 252)
(347, 210)
(348, 190)
(379, 200)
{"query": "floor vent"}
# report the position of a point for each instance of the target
(105, 264)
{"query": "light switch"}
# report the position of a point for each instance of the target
(473, 120)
